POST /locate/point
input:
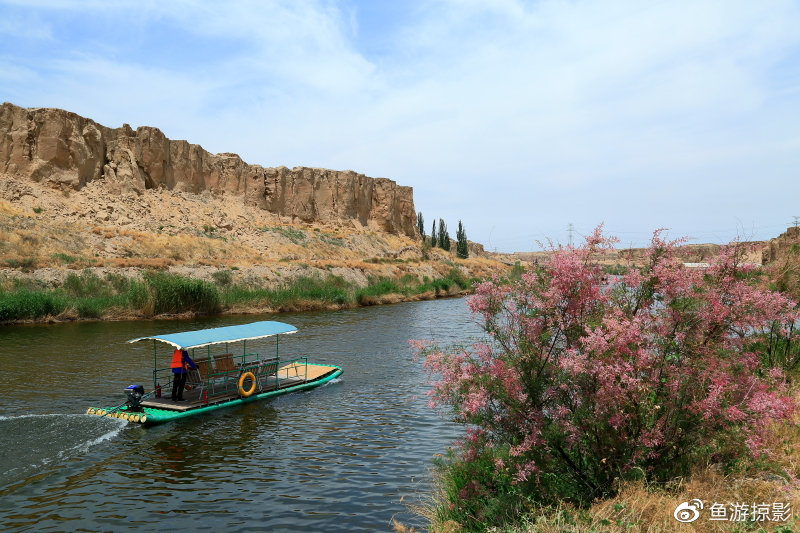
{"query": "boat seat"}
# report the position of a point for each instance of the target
(196, 376)
(264, 370)
(204, 378)
(224, 363)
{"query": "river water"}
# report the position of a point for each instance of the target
(348, 456)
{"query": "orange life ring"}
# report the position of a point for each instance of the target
(245, 393)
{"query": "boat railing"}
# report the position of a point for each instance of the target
(219, 375)
(293, 368)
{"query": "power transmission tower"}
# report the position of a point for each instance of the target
(796, 220)
(570, 229)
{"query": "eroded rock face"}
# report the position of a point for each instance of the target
(782, 245)
(67, 151)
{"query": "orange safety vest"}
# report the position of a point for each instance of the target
(177, 359)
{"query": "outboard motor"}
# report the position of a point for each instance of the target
(135, 394)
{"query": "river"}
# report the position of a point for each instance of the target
(348, 456)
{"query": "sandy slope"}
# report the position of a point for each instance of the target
(47, 233)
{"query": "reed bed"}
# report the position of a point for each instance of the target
(88, 296)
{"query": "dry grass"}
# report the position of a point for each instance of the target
(169, 229)
(639, 508)
(154, 263)
(9, 209)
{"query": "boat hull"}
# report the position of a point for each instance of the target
(150, 416)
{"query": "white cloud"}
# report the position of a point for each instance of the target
(507, 114)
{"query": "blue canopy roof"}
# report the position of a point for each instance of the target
(204, 337)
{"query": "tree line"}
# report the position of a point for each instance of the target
(441, 238)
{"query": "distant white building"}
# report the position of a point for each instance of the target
(706, 265)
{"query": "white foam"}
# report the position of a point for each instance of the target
(335, 380)
(116, 426)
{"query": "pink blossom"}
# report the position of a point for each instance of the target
(580, 366)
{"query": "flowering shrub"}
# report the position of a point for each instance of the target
(585, 378)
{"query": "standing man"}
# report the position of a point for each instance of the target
(181, 362)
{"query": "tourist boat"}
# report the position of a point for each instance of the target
(222, 379)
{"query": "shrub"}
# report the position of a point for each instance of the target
(222, 277)
(458, 278)
(25, 264)
(425, 249)
(333, 241)
(64, 258)
(171, 293)
(586, 381)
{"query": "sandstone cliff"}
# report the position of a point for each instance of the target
(67, 151)
(781, 246)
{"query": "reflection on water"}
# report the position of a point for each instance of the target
(336, 458)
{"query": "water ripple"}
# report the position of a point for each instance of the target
(337, 458)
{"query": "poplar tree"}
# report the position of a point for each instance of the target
(433, 234)
(462, 249)
(444, 236)
(421, 225)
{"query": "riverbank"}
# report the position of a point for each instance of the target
(147, 294)
(91, 255)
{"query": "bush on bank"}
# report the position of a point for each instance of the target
(587, 382)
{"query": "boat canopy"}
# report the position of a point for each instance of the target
(206, 337)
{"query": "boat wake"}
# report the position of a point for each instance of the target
(32, 444)
(339, 379)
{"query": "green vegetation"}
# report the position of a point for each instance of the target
(615, 270)
(444, 236)
(210, 232)
(295, 235)
(462, 249)
(170, 293)
(223, 278)
(333, 241)
(64, 258)
(421, 225)
(25, 264)
(86, 295)
(29, 304)
(425, 249)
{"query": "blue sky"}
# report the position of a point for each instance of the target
(517, 117)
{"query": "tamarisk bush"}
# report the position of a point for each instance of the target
(586, 379)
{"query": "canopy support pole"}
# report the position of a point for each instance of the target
(155, 364)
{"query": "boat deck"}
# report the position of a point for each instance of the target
(289, 375)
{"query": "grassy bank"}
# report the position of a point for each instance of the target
(87, 296)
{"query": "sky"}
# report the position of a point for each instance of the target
(519, 118)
